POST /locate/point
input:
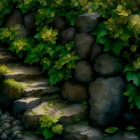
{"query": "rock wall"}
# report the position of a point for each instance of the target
(97, 79)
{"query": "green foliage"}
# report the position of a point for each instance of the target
(3, 70)
(44, 46)
(119, 33)
(111, 130)
(130, 128)
(14, 89)
(49, 125)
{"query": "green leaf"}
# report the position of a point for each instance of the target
(111, 130)
(48, 134)
(130, 128)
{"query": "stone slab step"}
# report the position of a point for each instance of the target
(6, 58)
(70, 113)
(38, 87)
(19, 72)
(82, 132)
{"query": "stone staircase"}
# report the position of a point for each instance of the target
(35, 94)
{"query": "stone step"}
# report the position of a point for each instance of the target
(70, 113)
(6, 58)
(20, 72)
(82, 132)
(38, 87)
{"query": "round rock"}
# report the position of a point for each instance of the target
(107, 64)
(68, 35)
(83, 42)
(83, 72)
(73, 91)
(87, 22)
(59, 23)
(3, 136)
(106, 100)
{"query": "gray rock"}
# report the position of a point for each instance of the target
(3, 136)
(83, 44)
(59, 23)
(0, 130)
(106, 100)
(108, 65)
(23, 32)
(87, 22)
(29, 21)
(68, 35)
(15, 133)
(7, 131)
(19, 106)
(4, 117)
(5, 126)
(19, 136)
(82, 132)
(14, 18)
(16, 122)
(83, 72)
(32, 137)
(96, 50)
(15, 128)
(69, 113)
(123, 136)
(73, 91)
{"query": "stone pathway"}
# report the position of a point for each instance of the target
(36, 93)
(29, 92)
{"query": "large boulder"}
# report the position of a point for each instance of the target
(96, 50)
(19, 106)
(15, 18)
(87, 22)
(82, 132)
(68, 35)
(107, 64)
(59, 23)
(83, 72)
(106, 100)
(69, 113)
(29, 21)
(83, 42)
(74, 92)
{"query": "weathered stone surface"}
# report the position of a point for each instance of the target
(87, 22)
(29, 21)
(59, 23)
(23, 104)
(107, 64)
(6, 58)
(83, 44)
(39, 87)
(68, 35)
(19, 72)
(82, 132)
(32, 137)
(14, 18)
(69, 113)
(96, 50)
(23, 32)
(83, 72)
(106, 100)
(73, 91)
(123, 136)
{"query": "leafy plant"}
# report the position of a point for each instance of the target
(111, 130)
(49, 125)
